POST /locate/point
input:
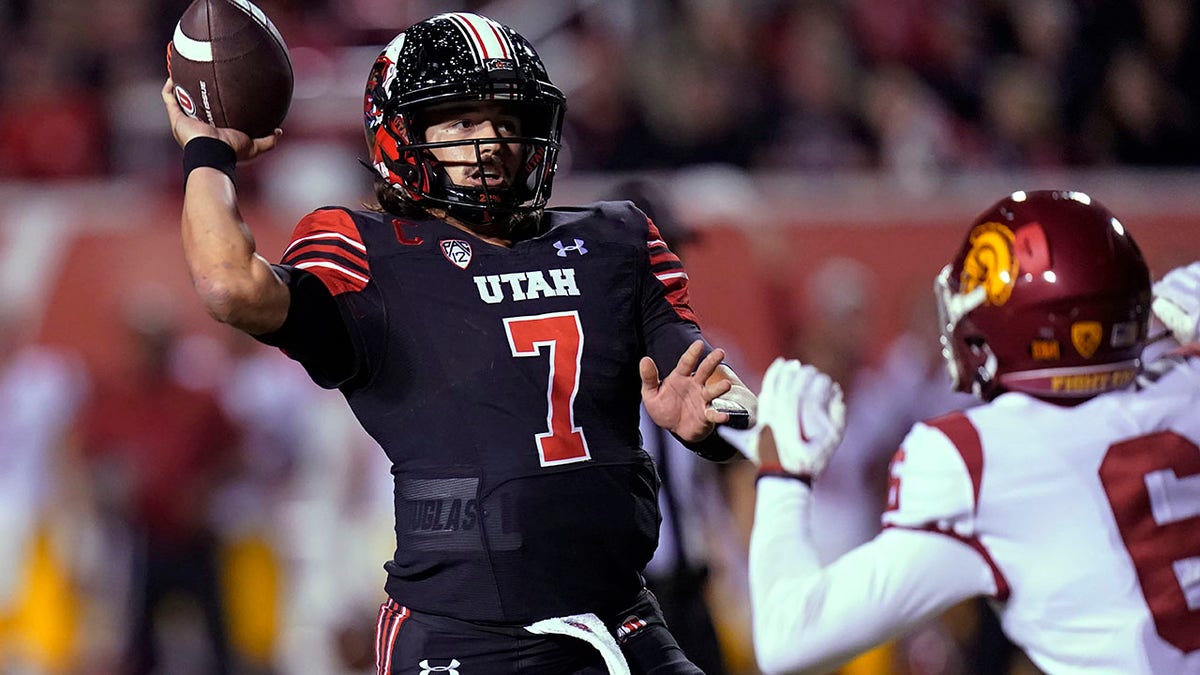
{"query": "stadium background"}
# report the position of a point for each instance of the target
(786, 134)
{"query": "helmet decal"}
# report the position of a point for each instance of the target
(486, 38)
(991, 263)
(1032, 249)
(1085, 335)
(1045, 349)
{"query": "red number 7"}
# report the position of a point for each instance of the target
(562, 334)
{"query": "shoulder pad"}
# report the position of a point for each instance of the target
(930, 486)
(327, 243)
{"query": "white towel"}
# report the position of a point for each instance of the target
(590, 628)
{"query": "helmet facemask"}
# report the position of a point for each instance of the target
(969, 360)
(527, 169)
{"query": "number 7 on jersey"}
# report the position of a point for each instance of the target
(562, 334)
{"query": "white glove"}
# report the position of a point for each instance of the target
(804, 409)
(1177, 302)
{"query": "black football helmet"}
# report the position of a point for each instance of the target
(459, 57)
(1049, 295)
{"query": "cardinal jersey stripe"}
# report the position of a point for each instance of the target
(963, 435)
(485, 37)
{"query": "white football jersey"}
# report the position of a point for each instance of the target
(1089, 517)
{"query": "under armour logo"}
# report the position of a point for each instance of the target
(457, 251)
(563, 248)
(449, 668)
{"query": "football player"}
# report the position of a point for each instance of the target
(496, 349)
(1070, 499)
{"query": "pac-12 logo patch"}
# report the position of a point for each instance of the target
(457, 251)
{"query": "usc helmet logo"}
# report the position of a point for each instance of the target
(990, 263)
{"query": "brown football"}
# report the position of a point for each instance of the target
(230, 66)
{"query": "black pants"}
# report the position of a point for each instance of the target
(685, 608)
(413, 643)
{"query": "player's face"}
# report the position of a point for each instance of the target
(469, 122)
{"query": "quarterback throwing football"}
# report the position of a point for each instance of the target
(497, 349)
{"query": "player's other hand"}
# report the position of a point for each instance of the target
(801, 419)
(1177, 302)
(185, 128)
(682, 402)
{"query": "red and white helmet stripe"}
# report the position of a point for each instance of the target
(487, 39)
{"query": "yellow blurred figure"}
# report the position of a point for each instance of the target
(40, 630)
(251, 579)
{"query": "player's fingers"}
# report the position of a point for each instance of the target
(266, 143)
(687, 363)
(716, 389)
(768, 453)
(172, 105)
(710, 363)
(649, 374)
(715, 416)
(771, 378)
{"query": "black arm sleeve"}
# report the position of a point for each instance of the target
(713, 448)
(314, 332)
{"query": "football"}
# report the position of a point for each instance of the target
(230, 67)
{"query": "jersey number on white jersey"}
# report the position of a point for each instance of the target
(1153, 486)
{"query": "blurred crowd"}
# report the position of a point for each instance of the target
(906, 86)
(198, 508)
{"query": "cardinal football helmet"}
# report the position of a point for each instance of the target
(1049, 295)
(460, 57)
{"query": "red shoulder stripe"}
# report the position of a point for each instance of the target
(965, 438)
(668, 269)
(327, 243)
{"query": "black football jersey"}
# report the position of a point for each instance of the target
(503, 385)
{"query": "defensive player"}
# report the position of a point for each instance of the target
(1070, 499)
(496, 349)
